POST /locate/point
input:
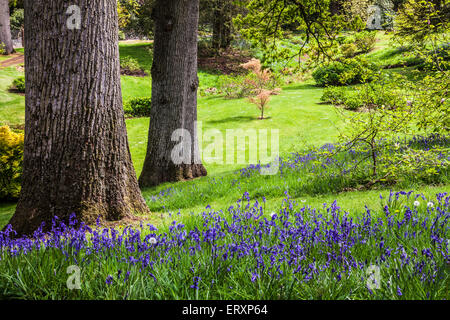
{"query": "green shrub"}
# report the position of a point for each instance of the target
(130, 64)
(121, 35)
(387, 93)
(18, 84)
(11, 159)
(235, 87)
(365, 41)
(349, 50)
(346, 72)
(353, 102)
(138, 107)
(334, 95)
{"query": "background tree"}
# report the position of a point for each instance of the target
(265, 21)
(222, 24)
(174, 93)
(135, 17)
(76, 153)
(5, 28)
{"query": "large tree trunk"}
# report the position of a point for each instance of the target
(76, 154)
(174, 94)
(222, 24)
(5, 27)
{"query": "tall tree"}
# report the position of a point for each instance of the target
(5, 28)
(222, 24)
(76, 153)
(174, 94)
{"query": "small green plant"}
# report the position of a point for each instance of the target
(121, 35)
(18, 85)
(349, 50)
(11, 157)
(365, 41)
(130, 64)
(234, 87)
(334, 95)
(138, 107)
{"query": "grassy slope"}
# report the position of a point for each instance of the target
(302, 121)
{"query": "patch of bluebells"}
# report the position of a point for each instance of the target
(324, 161)
(300, 243)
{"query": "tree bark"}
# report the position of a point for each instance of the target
(174, 94)
(76, 153)
(5, 27)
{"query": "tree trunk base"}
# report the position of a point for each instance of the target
(158, 175)
(28, 219)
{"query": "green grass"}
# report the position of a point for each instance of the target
(12, 106)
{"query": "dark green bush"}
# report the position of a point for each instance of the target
(346, 72)
(18, 85)
(138, 107)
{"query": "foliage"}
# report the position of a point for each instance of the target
(130, 64)
(349, 50)
(334, 95)
(135, 17)
(11, 157)
(240, 86)
(396, 107)
(345, 72)
(419, 21)
(388, 92)
(122, 35)
(431, 100)
(18, 85)
(138, 107)
(424, 26)
(17, 21)
(354, 9)
(263, 26)
(126, 9)
(234, 87)
(365, 41)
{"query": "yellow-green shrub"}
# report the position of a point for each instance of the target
(11, 159)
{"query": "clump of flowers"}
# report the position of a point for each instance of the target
(299, 253)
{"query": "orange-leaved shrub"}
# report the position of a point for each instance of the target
(261, 83)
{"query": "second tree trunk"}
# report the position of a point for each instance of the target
(174, 94)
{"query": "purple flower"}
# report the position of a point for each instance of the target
(196, 280)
